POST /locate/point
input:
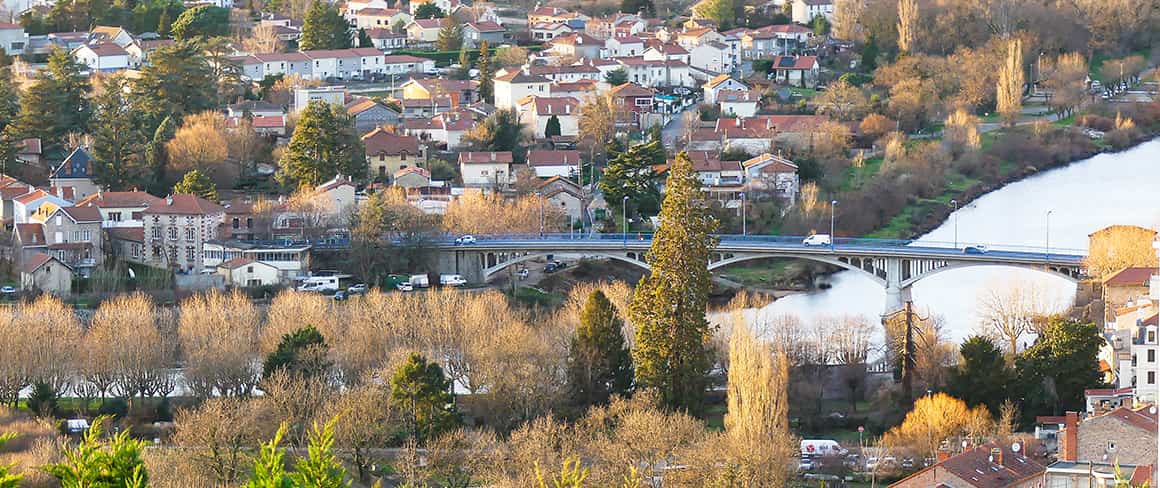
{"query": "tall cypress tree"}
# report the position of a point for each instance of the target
(486, 73)
(668, 306)
(599, 364)
(553, 127)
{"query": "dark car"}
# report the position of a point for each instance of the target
(340, 295)
(976, 249)
(551, 268)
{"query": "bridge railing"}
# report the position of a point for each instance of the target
(781, 239)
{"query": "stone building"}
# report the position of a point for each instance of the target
(176, 230)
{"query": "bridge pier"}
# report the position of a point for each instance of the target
(896, 294)
(468, 264)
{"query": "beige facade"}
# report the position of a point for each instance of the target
(247, 272)
(1110, 436)
(47, 274)
(177, 228)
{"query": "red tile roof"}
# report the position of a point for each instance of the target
(485, 26)
(1131, 277)
(403, 58)
(977, 468)
(794, 62)
(35, 261)
(1139, 419)
(31, 234)
(82, 214)
(552, 105)
(236, 263)
(553, 158)
(107, 49)
(630, 90)
(428, 23)
(485, 157)
(380, 141)
(182, 204)
(120, 199)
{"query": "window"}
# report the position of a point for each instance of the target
(115, 216)
(173, 233)
(249, 222)
(189, 253)
(1151, 355)
(236, 222)
(1151, 334)
(249, 269)
(403, 157)
(189, 234)
(57, 220)
(1151, 377)
(87, 236)
(157, 233)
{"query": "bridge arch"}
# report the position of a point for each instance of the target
(738, 258)
(488, 271)
(1063, 272)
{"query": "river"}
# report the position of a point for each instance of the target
(1119, 188)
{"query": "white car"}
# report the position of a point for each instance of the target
(817, 240)
(8, 290)
(404, 286)
(357, 289)
(468, 239)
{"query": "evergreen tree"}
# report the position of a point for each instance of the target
(115, 463)
(599, 364)
(197, 183)
(201, 22)
(870, 54)
(1056, 370)
(9, 112)
(450, 35)
(983, 376)
(616, 77)
(118, 142)
(364, 39)
(57, 101)
(324, 28)
(502, 131)
(7, 478)
(629, 173)
(486, 73)
(178, 81)
(155, 155)
(428, 10)
(644, 8)
(301, 354)
(553, 127)
(668, 307)
(320, 468)
(419, 388)
(324, 144)
(724, 12)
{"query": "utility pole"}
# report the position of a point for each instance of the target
(908, 362)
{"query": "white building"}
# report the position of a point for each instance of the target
(486, 169)
(721, 83)
(737, 103)
(511, 86)
(335, 95)
(13, 38)
(271, 264)
(535, 112)
(104, 56)
(565, 164)
(804, 11)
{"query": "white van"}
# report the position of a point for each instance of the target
(319, 283)
(821, 447)
(817, 240)
(452, 280)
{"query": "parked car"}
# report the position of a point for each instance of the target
(404, 286)
(8, 290)
(806, 464)
(339, 296)
(465, 239)
(357, 289)
(817, 240)
(551, 268)
(522, 273)
(975, 249)
(907, 463)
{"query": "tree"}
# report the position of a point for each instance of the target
(118, 142)
(843, 101)
(125, 353)
(869, 51)
(263, 39)
(599, 364)
(388, 234)
(877, 125)
(155, 154)
(366, 421)
(300, 354)
(1013, 309)
(115, 463)
(7, 478)
(450, 35)
(644, 8)
(1055, 371)
(324, 144)
(1120, 246)
(177, 81)
(935, 418)
(486, 73)
(847, 18)
(758, 405)
(220, 434)
(983, 376)
(428, 10)
(820, 25)
(552, 128)
(502, 131)
(420, 389)
(201, 22)
(201, 144)
(907, 25)
(1067, 83)
(364, 39)
(597, 121)
(197, 183)
(630, 174)
(56, 102)
(320, 468)
(961, 133)
(724, 12)
(510, 56)
(668, 306)
(219, 341)
(464, 65)
(1009, 88)
(324, 28)
(616, 77)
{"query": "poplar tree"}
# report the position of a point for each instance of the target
(1009, 88)
(668, 307)
(599, 364)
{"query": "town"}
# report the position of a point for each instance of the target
(455, 243)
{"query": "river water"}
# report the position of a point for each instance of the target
(1120, 188)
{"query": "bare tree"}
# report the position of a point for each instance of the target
(219, 436)
(1012, 310)
(219, 338)
(907, 25)
(54, 335)
(262, 39)
(366, 421)
(1009, 89)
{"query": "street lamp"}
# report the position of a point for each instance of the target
(540, 197)
(624, 219)
(1047, 238)
(743, 229)
(956, 212)
(833, 208)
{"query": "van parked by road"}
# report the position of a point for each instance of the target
(319, 283)
(821, 447)
(452, 280)
(420, 281)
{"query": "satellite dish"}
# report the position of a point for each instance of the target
(1152, 410)
(1015, 447)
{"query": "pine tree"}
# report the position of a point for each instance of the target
(324, 28)
(97, 463)
(599, 364)
(450, 35)
(196, 183)
(668, 307)
(870, 54)
(645, 8)
(201, 22)
(324, 144)
(364, 39)
(57, 101)
(486, 73)
(616, 77)
(553, 127)
(155, 155)
(178, 81)
(118, 143)
(301, 353)
(428, 10)
(420, 388)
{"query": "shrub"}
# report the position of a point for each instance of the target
(42, 400)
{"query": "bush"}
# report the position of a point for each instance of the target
(1120, 139)
(856, 79)
(1097, 122)
(116, 407)
(42, 400)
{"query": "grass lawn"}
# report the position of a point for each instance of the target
(902, 226)
(755, 273)
(804, 92)
(856, 177)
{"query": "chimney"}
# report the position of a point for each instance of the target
(567, 108)
(493, 156)
(169, 200)
(1068, 443)
(997, 456)
(59, 192)
(942, 455)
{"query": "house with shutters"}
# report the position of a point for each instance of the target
(247, 272)
(487, 169)
(804, 11)
(461, 92)
(576, 45)
(176, 230)
(536, 111)
(387, 153)
(386, 39)
(624, 46)
(714, 57)
(564, 194)
(546, 31)
(401, 64)
(737, 103)
(120, 208)
(1124, 435)
(24, 206)
(633, 101)
(75, 171)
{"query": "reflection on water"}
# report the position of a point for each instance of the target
(1086, 196)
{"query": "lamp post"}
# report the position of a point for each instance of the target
(624, 219)
(1047, 238)
(540, 197)
(956, 212)
(833, 209)
(743, 228)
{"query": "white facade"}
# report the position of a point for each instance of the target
(287, 262)
(99, 61)
(507, 93)
(13, 39)
(804, 11)
(620, 47)
(713, 57)
(487, 174)
(331, 95)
